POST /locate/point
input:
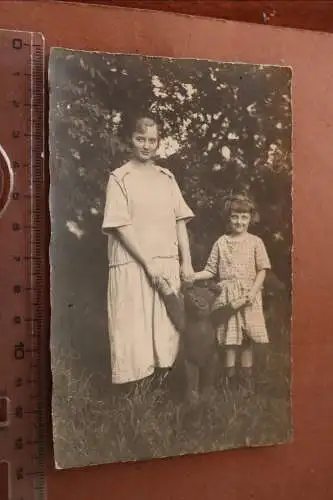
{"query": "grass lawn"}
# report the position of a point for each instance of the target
(94, 424)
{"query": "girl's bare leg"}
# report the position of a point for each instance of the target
(230, 366)
(247, 364)
(247, 357)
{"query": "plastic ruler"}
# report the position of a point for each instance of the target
(23, 257)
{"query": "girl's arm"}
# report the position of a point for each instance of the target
(203, 275)
(258, 282)
(211, 268)
(117, 220)
(262, 264)
(184, 249)
(127, 237)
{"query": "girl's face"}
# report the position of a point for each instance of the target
(145, 143)
(239, 222)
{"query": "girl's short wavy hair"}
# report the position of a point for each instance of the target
(138, 121)
(240, 203)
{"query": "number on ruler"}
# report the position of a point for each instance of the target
(17, 43)
(19, 412)
(19, 443)
(19, 473)
(18, 382)
(19, 350)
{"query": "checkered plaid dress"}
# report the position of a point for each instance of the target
(235, 262)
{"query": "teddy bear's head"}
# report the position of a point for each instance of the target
(198, 299)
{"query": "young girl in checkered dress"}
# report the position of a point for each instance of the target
(239, 261)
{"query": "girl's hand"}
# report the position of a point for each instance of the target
(189, 279)
(152, 272)
(251, 296)
(187, 273)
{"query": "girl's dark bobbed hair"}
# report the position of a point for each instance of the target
(137, 120)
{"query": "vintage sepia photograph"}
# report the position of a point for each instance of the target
(170, 256)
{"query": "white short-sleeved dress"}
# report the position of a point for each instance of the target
(235, 262)
(141, 334)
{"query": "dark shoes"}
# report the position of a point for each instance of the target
(243, 380)
(247, 380)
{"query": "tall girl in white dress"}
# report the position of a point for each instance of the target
(145, 220)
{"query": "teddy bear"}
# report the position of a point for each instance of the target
(191, 313)
(196, 318)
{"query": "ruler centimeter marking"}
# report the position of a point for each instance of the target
(23, 264)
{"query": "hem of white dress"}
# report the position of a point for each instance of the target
(128, 381)
(237, 344)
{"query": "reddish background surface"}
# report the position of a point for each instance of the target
(303, 469)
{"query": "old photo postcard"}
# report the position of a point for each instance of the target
(170, 256)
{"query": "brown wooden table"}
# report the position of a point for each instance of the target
(306, 14)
